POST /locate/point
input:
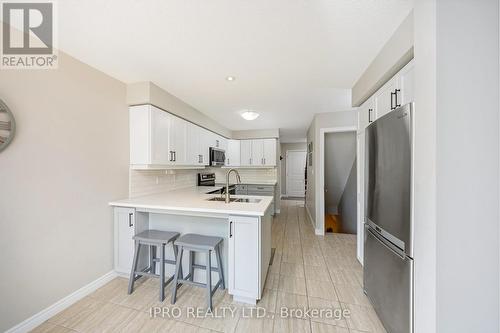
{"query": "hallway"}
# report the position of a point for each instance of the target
(308, 272)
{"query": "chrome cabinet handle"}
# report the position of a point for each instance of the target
(230, 229)
(396, 95)
(369, 115)
(392, 94)
(130, 224)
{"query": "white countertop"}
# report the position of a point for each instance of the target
(259, 182)
(193, 199)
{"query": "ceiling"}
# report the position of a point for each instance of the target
(291, 59)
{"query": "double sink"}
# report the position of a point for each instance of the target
(243, 200)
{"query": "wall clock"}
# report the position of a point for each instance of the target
(7, 126)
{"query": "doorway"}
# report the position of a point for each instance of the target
(340, 182)
(295, 173)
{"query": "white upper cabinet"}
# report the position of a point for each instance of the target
(246, 152)
(178, 140)
(397, 91)
(406, 84)
(365, 114)
(384, 99)
(258, 152)
(233, 153)
(160, 140)
(194, 154)
(269, 152)
(149, 136)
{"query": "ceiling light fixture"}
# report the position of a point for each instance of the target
(230, 78)
(249, 115)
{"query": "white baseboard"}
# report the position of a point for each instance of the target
(278, 211)
(319, 232)
(37, 319)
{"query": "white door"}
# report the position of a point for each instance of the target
(295, 173)
(269, 152)
(258, 152)
(246, 152)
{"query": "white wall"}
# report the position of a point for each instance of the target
(67, 161)
(467, 166)
(457, 166)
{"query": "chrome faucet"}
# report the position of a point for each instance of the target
(238, 180)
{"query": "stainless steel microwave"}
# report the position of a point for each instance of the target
(217, 156)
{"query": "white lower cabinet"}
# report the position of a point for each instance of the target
(124, 220)
(249, 255)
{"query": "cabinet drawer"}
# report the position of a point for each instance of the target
(261, 188)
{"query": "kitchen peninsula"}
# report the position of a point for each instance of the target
(245, 227)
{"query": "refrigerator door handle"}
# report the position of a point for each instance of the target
(394, 249)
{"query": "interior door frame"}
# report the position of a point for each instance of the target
(320, 201)
(286, 169)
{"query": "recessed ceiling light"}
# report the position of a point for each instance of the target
(230, 78)
(249, 115)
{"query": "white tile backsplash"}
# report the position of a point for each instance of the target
(145, 182)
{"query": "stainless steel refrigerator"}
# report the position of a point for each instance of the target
(388, 247)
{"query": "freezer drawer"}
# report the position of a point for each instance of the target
(388, 281)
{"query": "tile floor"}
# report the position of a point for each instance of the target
(308, 272)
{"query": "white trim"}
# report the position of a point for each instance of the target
(286, 172)
(278, 211)
(40, 317)
(320, 201)
(310, 218)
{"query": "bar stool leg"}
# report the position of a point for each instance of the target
(209, 280)
(176, 254)
(162, 272)
(134, 267)
(221, 271)
(191, 267)
(178, 265)
(152, 257)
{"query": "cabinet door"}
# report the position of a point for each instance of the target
(243, 265)
(140, 132)
(406, 84)
(365, 114)
(178, 140)
(233, 153)
(258, 152)
(246, 152)
(205, 140)
(124, 221)
(384, 99)
(160, 128)
(193, 153)
(269, 152)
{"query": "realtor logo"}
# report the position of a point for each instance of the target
(28, 38)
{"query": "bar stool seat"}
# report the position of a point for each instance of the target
(198, 243)
(156, 240)
(156, 236)
(201, 242)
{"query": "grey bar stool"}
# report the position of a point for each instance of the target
(198, 243)
(155, 239)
